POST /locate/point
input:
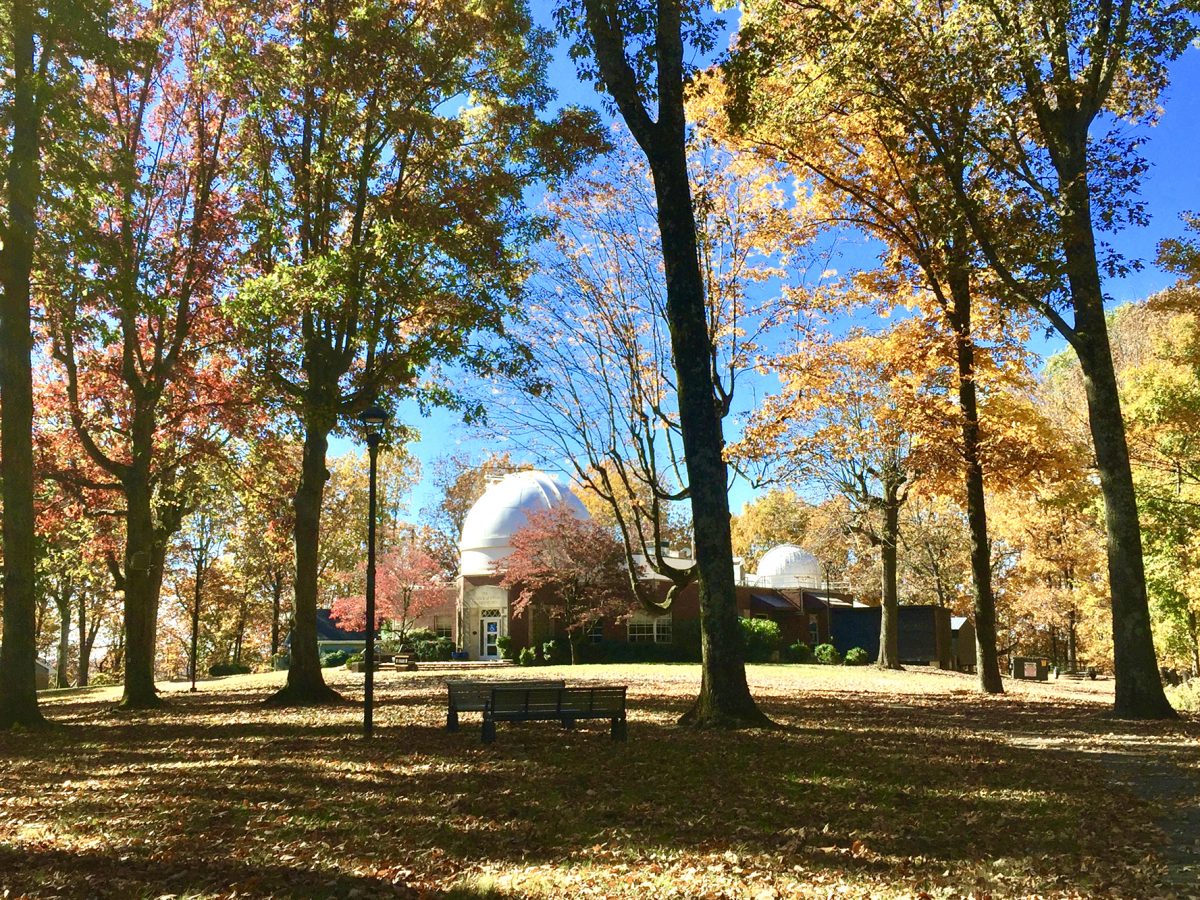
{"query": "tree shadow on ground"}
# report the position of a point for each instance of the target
(878, 786)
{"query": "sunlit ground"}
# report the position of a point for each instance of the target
(876, 784)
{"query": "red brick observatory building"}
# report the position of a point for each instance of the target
(789, 586)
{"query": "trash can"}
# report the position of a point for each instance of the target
(1030, 668)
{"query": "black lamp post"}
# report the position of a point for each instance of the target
(373, 418)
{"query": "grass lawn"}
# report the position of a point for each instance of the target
(877, 784)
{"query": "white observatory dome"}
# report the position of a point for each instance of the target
(502, 511)
(789, 566)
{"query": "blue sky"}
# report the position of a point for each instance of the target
(1171, 187)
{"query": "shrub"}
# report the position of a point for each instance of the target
(761, 639)
(504, 645)
(799, 652)
(415, 638)
(527, 656)
(102, 679)
(334, 658)
(556, 652)
(356, 658)
(1185, 696)
(857, 656)
(222, 669)
(437, 649)
(827, 655)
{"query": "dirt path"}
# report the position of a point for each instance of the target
(1164, 773)
(1161, 766)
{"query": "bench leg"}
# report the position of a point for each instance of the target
(488, 735)
(452, 720)
(618, 729)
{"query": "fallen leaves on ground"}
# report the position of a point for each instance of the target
(877, 784)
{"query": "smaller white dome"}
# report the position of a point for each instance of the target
(788, 565)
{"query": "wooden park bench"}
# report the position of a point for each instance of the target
(562, 704)
(472, 696)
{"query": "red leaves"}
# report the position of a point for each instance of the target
(409, 583)
(573, 568)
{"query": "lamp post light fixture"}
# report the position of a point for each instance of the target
(372, 419)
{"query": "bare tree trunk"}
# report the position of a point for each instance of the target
(724, 699)
(1072, 625)
(18, 650)
(987, 661)
(85, 644)
(276, 609)
(239, 636)
(193, 650)
(305, 683)
(724, 693)
(1194, 634)
(141, 602)
(889, 617)
(62, 600)
(1139, 691)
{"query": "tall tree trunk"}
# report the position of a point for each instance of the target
(18, 649)
(724, 698)
(62, 669)
(305, 683)
(240, 635)
(194, 649)
(141, 602)
(1194, 633)
(724, 693)
(85, 644)
(889, 617)
(987, 658)
(1139, 691)
(276, 609)
(1072, 653)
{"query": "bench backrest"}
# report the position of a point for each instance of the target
(472, 695)
(597, 701)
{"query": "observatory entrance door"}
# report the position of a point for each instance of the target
(489, 634)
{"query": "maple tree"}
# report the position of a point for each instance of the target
(409, 583)
(849, 418)
(1039, 79)
(935, 564)
(73, 542)
(385, 153)
(1181, 255)
(344, 510)
(1158, 368)
(43, 49)
(571, 569)
(1050, 560)
(135, 329)
(201, 541)
(870, 166)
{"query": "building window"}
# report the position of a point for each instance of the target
(443, 630)
(641, 632)
(595, 634)
(646, 629)
(814, 631)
